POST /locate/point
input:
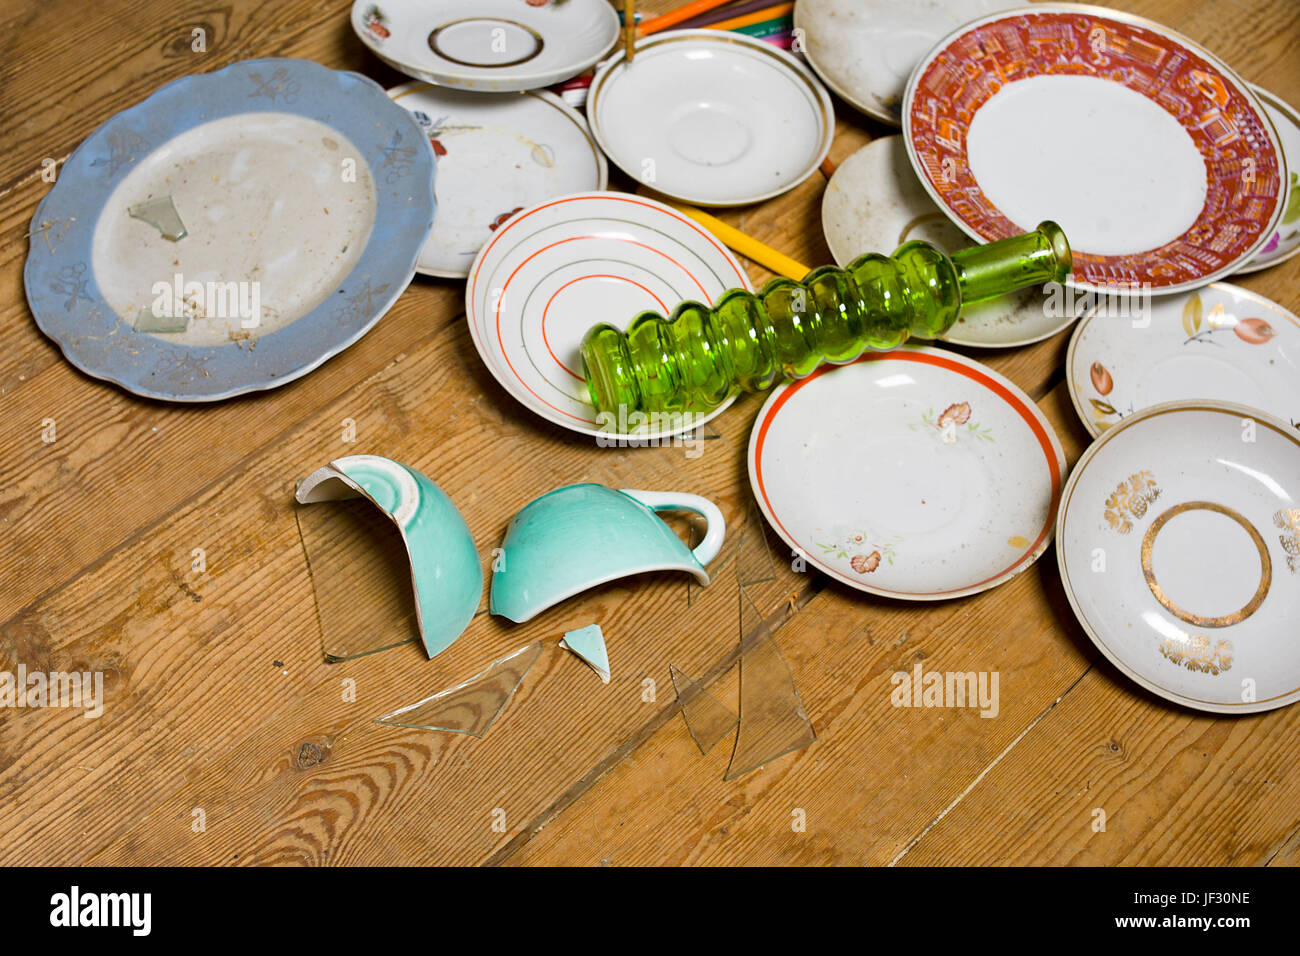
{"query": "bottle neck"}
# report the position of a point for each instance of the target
(1005, 265)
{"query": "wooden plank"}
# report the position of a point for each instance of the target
(1171, 788)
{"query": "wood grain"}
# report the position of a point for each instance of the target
(218, 698)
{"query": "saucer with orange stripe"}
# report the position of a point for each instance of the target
(917, 474)
(552, 271)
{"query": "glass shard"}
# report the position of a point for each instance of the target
(162, 215)
(772, 718)
(588, 644)
(707, 720)
(756, 561)
(471, 707)
(360, 577)
(147, 321)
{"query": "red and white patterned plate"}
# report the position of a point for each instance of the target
(1158, 161)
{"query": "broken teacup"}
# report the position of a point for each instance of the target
(580, 536)
(445, 569)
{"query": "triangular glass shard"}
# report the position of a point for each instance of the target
(756, 562)
(471, 707)
(360, 577)
(772, 719)
(162, 215)
(146, 320)
(588, 644)
(707, 720)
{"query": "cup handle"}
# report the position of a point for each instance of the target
(715, 525)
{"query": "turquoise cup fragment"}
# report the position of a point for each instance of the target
(446, 575)
(580, 536)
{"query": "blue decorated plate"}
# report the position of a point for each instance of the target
(233, 231)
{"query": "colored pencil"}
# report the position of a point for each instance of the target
(781, 25)
(724, 13)
(758, 16)
(681, 14)
(745, 244)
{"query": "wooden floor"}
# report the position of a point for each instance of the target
(219, 700)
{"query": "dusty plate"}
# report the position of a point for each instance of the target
(1286, 240)
(711, 117)
(489, 45)
(1221, 343)
(874, 203)
(1173, 176)
(303, 195)
(497, 153)
(865, 50)
(555, 270)
(916, 474)
(1179, 546)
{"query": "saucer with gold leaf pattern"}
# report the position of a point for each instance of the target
(1178, 540)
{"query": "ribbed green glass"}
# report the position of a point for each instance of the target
(700, 356)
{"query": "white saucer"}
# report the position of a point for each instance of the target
(555, 270)
(865, 50)
(1286, 240)
(711, 117)
(1221, 343)
(489, 45)
(917, 474)
(1179, 546)
(875, 203)
(1193, 193)
(497, 153)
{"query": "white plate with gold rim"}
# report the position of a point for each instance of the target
(864, 50)
(875, 203)
(497, 154)
(1222, 343)
(711, 117)
(1178, 542)
(917, 474)
(1286, 241)
(489, 45)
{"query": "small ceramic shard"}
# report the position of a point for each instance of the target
(707, 720)
(147, 321)
(472, 707)
(588, 643)
(162, 215)
(772, 718)
(446, 576)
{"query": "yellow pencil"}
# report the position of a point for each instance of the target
(746, 245)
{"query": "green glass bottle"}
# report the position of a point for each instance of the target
(699, 357)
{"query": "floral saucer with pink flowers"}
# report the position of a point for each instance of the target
(916, 474)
